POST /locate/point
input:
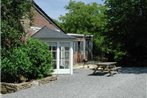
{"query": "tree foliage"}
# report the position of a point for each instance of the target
(83, 18)
(12, 13)
(119, 28)
(127, 22)
(30, 61)
(21, 57)
(86, 19)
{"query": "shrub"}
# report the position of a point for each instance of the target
(40, 58)
(15, 64)
(28, 61)
(119, 55)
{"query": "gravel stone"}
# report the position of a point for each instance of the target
(129, 83)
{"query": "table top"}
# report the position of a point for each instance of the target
(106, 63)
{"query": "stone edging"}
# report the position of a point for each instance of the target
(13, 87)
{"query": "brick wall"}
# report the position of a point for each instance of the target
(40, 21)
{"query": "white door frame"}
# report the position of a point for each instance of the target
(64, 71)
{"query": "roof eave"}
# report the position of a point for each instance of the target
(46, 16)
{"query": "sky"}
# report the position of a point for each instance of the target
(55, 8)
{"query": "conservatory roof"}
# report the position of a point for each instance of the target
(45, 32)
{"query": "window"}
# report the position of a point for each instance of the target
(78, 46)
(53, 50)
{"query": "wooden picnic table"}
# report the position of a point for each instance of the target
(106, 67)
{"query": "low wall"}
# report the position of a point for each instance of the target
(13, 87)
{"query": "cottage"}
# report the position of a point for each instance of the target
(61, 46)
(67, 49)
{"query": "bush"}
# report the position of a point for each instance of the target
(40, 57)
(15, 64)
(28, 61)
(119, 55)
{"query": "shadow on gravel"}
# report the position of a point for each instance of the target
(133, 70)
(98, 74)
(124, 70)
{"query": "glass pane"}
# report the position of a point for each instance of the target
(76, 46)
(81, 46)
(66, 64)
(54, 47)
(64, 55)
(53, 50)
(66, 48)
(54, 55)
(54, 64)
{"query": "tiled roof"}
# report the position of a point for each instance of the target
(52, 34)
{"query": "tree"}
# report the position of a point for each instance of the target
(85, 19)
(27, 59)
(12, 13)
(127, 22)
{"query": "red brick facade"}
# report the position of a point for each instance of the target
(40, 21)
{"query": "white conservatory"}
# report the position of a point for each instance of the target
(61, 46)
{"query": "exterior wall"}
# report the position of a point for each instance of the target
(78, 51)
(40, 21)
(84, 50)
(37, 21)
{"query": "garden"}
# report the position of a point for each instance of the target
(119, 29)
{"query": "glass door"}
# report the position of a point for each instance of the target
(62, 57)
(64, 62)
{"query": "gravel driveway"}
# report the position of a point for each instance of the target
(130, 83)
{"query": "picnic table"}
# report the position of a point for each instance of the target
(106, 67)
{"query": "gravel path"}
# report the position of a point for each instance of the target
(130, 83)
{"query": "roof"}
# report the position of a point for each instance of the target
(45, 33)
(80, 35)
(46, 16)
